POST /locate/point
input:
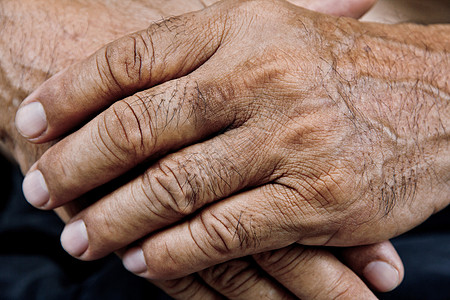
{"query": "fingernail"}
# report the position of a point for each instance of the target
(134, 261)
(74, 238)
(31, 121)
(381, 275)
(35, 189)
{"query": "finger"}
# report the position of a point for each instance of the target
(313, 273)
(345, 8)
(189, 287)
(234, 227)
(166, 50)
(379, 264)
(168, 191)
(141, 127)
(242, 279)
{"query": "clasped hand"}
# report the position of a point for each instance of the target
(255, 129)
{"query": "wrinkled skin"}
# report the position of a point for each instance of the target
(32, 50)
(321, 152)
(319, 134)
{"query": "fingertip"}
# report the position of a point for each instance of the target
(35, 189)
(379, 264)
(345, 8)
(74, 238)
(134, 261)
(382, 276)
(31, 120)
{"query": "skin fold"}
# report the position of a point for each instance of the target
(348, 147)
(372, 134)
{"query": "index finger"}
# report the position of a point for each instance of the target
(166, 50)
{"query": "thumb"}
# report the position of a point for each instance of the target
(379, 264)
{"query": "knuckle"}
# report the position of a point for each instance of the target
(128, 61)
(212, 100)
(232, 278)
(175, 186)
(338, 289)
(121, 132)
(183, 288)
(284, 261)
(222, 235)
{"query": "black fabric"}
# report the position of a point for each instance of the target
(425, 252)
(34, 266)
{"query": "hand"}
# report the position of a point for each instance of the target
(250, 281)
(40, 38)
(304, 272)
(287, 141)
